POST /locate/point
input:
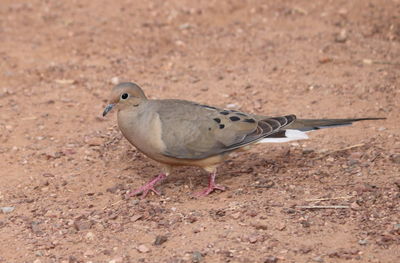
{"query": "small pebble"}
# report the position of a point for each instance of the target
(367, 61)
(355, 206)
(143, 249)
(318, 259)
(342, 36)
(94, 141)
(116, 260)
(7, 209)
(90, 236)
(236, 215)
(160, 240)
(196, 257)
(362, 242)
(271, 259)
(114, 80)
(253, 239)
(232, 106)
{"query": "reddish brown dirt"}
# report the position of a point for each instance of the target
(65, 169)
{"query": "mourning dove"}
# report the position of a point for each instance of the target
(178, 132)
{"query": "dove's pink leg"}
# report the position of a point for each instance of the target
(148, 187)
(211, 186)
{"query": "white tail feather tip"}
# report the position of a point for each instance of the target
(291, 135)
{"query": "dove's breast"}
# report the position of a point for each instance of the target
(143, 130)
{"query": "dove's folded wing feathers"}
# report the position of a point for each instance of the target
(194, 131)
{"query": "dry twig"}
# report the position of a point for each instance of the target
(323, 206)
(329, 198)
(339, 150)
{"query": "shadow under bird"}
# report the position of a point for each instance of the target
(178, 132)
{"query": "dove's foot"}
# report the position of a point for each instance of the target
(148, 187)
(211, 186)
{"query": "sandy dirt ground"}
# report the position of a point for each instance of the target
(65, 169)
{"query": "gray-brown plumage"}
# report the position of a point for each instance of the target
(178, 132)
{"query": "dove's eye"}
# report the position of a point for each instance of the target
(124, 96)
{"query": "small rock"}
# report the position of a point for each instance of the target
(356, 155)
(90, 236)
(330, 159)
(318, 259)
(36, 228)
(362, 242)
(271, 259)
(7, 209)
(115, 188)
(143, 249)
(37, 261)
(136, 218)
(82, 225)
(355, 206)
(281, 226)
(196, 257)
(114, 80)
(252, 213)
(88, 253)
(367, 61)
(94, 142)
(361, 188)
(253, 239)
(395, 158)
(160, 240)
(342, 36)
(325, 60)
(192, 219)
(72, 259)
(184, 26)
(236, 215)
(135, 202)
(305, 249)
(305, 223)
(232, 106)
(260, 225)
(64, 81)
(52, 153)
(116, 260)
(353, 162)
(343, 11)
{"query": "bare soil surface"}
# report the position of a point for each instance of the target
(65, 169)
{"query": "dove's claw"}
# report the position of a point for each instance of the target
(144, 190)
(211, 186)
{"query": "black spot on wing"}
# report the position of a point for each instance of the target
(208, 107)
(249, 120)
(234, 118)
(225, 112)
(217, 120)
(221, 126)
(241, 114)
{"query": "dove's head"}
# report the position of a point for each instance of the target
(125, 95)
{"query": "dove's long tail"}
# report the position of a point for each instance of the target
(298, 129)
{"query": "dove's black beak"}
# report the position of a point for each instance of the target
(107, 109)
